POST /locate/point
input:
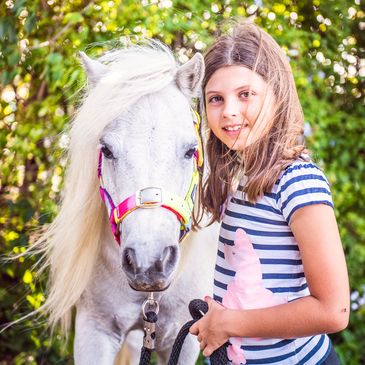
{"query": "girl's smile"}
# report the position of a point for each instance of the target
(234, 97)
(234, 129)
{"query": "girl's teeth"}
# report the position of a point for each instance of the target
(233, 128)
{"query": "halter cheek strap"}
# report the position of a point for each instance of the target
(110, 208)
(152, 197)
(199, 152)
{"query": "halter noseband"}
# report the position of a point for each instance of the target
(154, 197)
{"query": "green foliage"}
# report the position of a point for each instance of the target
(39, 83)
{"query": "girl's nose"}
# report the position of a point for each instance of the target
(231, 109)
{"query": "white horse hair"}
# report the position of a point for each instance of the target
(138, 106)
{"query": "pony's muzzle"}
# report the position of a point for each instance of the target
(152, 276)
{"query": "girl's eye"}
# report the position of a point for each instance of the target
(246, 94)
(107, 153)
(190, 153)
(215, 99)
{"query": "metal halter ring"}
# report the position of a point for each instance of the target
(151, 304)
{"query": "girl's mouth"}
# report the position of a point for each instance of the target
(234, 129)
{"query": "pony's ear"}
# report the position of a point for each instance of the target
(190, 76)
(94, 69)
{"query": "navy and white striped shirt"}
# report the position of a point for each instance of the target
(267, 224)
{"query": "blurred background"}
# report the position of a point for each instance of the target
(40, 83)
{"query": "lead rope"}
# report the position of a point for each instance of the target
(197, 309)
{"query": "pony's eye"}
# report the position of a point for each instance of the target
(107, 153)
(190, 153)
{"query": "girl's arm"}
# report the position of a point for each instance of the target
(326, 310)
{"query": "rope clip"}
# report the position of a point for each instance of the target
(149, 337)
(150, 309)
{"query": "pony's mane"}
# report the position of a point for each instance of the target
(72, 242)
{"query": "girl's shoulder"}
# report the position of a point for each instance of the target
(301, 183)
(302, 166)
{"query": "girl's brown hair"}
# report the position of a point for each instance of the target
(281, 143)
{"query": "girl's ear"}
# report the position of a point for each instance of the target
(190, 76)
(94, 69)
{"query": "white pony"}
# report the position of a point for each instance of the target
(136, 121)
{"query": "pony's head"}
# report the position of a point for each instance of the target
(146, 150)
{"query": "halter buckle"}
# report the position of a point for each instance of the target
(150, 197)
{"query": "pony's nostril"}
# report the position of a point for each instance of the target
(167, 260)
(129, 259)
(169, 257)
(159, 265)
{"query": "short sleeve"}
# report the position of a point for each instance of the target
(302, 184)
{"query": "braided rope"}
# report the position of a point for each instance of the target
(145, 356)
(196, 308)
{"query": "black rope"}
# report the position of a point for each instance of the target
(197, 308)
(145, 356)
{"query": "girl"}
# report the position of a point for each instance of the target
(280, 272)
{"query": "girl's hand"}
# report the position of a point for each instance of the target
(211, 328)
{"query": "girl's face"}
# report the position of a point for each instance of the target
(239, 106)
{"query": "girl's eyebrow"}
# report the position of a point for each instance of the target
(236, 89)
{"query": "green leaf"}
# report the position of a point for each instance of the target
(18, 6)
(54, 58)
(5, 77)
(8, 29)
(73, 18)
(13, 58)
(30, 23)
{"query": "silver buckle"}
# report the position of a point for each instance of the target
(149, 197)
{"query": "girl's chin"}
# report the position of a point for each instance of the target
(236, 146)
